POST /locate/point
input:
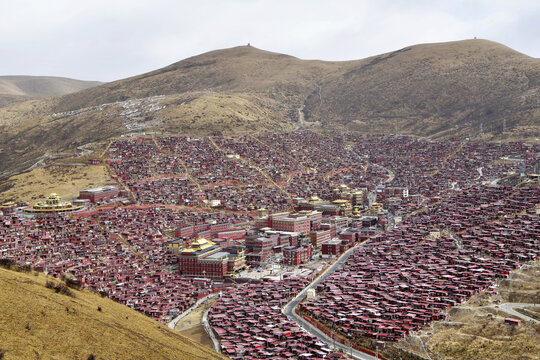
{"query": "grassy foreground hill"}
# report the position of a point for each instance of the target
(462, 88)
(37, 322)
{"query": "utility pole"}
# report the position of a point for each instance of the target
(504, 125)
(481, 129)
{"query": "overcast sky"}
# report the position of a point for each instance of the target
(113, 39)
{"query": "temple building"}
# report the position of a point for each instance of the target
(341, 205)
(208, 259)
(53, 204)
(8, 207)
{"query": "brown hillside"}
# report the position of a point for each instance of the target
(6, 100)
(63, 180)
(240, 69)
(42, 85)
(30, 132)
(437, 90)
(39, 323)
(14, 89)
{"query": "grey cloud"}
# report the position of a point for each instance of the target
(108, 40)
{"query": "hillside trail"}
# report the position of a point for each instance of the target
(300, 117)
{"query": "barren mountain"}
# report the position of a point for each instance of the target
(242, 69)
(435, 90)
(20, 88)
(438, 90)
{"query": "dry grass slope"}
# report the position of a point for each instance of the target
(236, 70)
(66, 181)
(14, 89)
(38, 323)
(6, 100)
(29, 132)
(437, 90)
(482, 337)
(208, 112)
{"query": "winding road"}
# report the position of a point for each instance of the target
(391, 174)
(509, 308)
(289, 311)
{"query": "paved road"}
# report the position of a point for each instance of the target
(206, 325)
(509, 308)
(172, 324)
(289, 311)
(480, 173)
(391, 174)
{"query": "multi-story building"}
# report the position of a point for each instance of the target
(299, 224)
(232, 234)
(97, 194)
(293, 255)
(331, 227)
(350, 235)
(320, 237)
(260, 248)
(237, 258)
(190, 230)
(331, 247)
(208, 259)
(339, 221)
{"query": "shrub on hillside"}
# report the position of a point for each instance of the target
(6, 263)
(12, 265)
(64, 290)
(59, 288)
(74, 284)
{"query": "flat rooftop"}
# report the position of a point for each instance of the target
(100, 189)
(218, 255)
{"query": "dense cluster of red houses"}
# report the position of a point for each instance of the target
(243, 173)
(249, 324)
(402, 280)
(120, 253)
(433, 168)
(393, 285)
(276, 164)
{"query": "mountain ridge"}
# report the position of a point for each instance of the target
(18, 88)
(462, 84)
(470, 88)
